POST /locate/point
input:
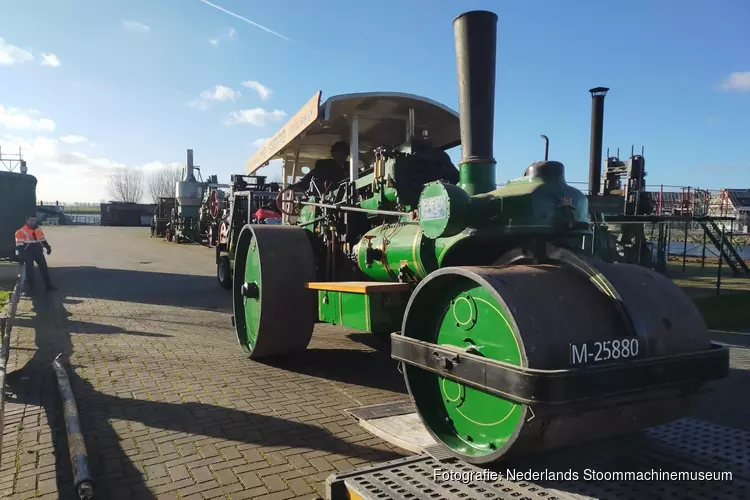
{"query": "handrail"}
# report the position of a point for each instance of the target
(7, 326)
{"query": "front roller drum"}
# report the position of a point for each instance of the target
(494, 361)
(274, 314)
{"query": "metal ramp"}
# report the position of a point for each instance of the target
(686, 459)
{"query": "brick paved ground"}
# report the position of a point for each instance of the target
(170, 406)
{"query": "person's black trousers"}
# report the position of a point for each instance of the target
(38, 257)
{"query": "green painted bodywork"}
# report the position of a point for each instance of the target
(378, 313)
(402, 244)
(464, 314)
(443, 210)
(406, 247)
(476, 178)
(530, 205)
(526, 206)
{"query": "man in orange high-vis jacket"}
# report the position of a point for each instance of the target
(29, 242)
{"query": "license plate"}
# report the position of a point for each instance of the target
(595, 351)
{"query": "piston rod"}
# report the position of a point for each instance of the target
(356, 209)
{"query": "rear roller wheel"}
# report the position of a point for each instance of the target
(223, 273)
(274, 312)
(528, 315)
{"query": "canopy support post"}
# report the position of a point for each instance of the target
(354, 150)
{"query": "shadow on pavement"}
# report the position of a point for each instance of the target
(373, 369)
(371, 341)
(115, 475)
(89, 328)
(36, 384)
(145, 287)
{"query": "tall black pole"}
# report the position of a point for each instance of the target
(597, 132)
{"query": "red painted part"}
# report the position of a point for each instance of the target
(264, 213)
(223, 232)
(214, 203)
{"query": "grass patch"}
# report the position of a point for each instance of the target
(701, 280)
(730, 311)
(4, 299)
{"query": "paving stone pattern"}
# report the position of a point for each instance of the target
(170, 405)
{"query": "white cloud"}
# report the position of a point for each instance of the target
(20, 119)
(62, 173)
(220, 93)
(257, 143)
(230, 34)
(738, 81)
(255, 116)
(263, 92)
(74, 139)
(50, 60)
(66, 175)
(11, 54)
(197, 104)
(136, 27)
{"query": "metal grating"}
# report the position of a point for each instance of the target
(421, 479)
(382, 410)
(439, 452)
(684, 446)
(708, 445)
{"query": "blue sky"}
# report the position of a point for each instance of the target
(87, 86)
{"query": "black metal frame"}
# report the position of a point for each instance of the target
(558, 387)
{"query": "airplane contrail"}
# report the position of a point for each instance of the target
(248, 21)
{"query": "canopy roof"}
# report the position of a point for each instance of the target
(383, 121)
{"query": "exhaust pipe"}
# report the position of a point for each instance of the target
(475, 34)
(597, 131)
(189, 175)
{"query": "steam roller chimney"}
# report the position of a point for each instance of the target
(597, 131)
(475, 35)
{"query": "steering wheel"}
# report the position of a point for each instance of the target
(280, 202)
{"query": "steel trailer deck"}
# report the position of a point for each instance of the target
(686, 459)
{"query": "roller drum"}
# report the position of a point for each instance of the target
(274, 314)
(528, 316)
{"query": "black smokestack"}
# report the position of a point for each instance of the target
(476, 41)
(597, 131)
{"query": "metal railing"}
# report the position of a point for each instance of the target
(6, 323)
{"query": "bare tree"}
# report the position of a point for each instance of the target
(126, 185)
(163, 182)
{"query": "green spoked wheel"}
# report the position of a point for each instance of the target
(274, 313)
(528, 316)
